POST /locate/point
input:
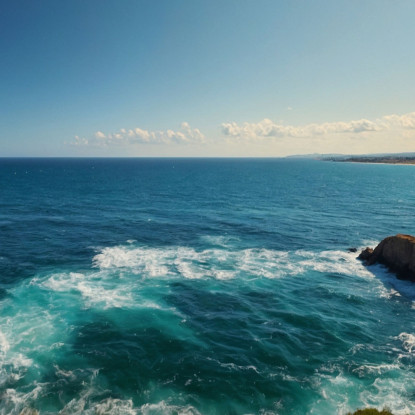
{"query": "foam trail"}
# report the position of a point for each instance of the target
(173, 262)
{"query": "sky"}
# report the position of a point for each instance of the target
(217, 78)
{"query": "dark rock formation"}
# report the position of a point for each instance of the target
(396, 252)
(352, 250)
(365, 254)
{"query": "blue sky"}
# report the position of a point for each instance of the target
(206, 78)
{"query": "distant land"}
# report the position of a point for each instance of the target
(383, 159)
(396, 158)
(405, 158)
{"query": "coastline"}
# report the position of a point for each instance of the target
(376, 160)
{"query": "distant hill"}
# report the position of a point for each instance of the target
(364, 158)
(399, 158)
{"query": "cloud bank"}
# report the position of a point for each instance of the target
(267, 138)
(124, 137)
(270, 129)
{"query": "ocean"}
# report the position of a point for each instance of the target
(202, 286)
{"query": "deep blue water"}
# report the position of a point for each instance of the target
(192, 286)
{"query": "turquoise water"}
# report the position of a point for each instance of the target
(187, 286)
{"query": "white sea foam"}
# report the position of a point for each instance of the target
(19, 361)
(408, 341)
(342, 394)
(369, 243)
(163, 408)
(116, 257)
(57, 345)
(63, 281)
(394, 286)
(268, 263)
(224, 264)
(218, 240)
(233, 366)
(95, 289)
(112, 406)
(13, 363)
(108, 406)
(151, 261)
(31, 327)
(13, 402)
(391, 393)
(4, 344)
(187, 270)
(236, 367)
(372, 369)
(108, 297)
(339, 262)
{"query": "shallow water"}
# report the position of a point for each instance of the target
(165, 286)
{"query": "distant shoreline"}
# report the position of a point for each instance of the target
(376, 160)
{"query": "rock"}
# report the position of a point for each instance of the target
(365, 254)
(397, 253)
(352, 250)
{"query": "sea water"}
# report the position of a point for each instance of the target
(202, 286)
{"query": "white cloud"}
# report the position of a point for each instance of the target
(390, 133)
(185, 135)
(268, 128)
(387, 134)
(403, 121)
(79, 141)
(100, 134)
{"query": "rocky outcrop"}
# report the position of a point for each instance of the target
(396, 252)
(365, 254)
